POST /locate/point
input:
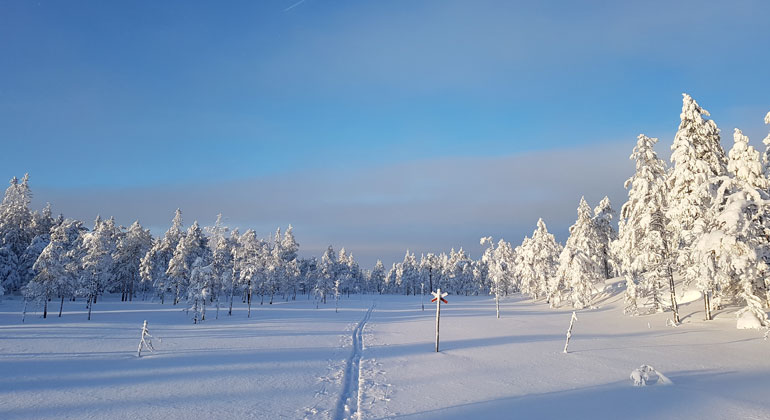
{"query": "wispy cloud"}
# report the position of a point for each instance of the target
(293, 5)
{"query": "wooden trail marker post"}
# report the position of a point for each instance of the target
(438, 297)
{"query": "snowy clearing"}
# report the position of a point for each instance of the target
(290, 360)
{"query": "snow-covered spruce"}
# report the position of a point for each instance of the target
(537, 260)
(643, 244)
(731, 249)
(581, 260)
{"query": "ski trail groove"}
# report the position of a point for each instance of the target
(348, 404)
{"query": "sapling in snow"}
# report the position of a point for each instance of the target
(145, 341)
(422, 295)
(569, 331)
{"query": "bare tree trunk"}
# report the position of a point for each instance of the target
(674, 306)
(45, 308)
(61, 306)
(248, 315)
(195, 312)
(707, 305)
(232, 296)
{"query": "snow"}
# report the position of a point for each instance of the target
(747, 320)
(376, 359)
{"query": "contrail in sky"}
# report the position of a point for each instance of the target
(293, 5)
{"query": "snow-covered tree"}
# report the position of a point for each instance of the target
(744, 163)
(697, 156)
(191, 247)
(40, 231)
(203, 284)
(42, 221)
(430, 269)
(731, 253)
(56, 267)
(499, 260)
(248, 263)
(128, 256)
(155, 263)
(9, 269)
(630, 297)
(766, 155)
(15, 232)
(408, 274)
(643, 247)
(221, 245)
(327, 274)
(537, 261)
(377, 277)
(29, 257)
(603, 214)
(288, 245)
(97, 262)
(580, 262)
(455, 272)
(308, 269)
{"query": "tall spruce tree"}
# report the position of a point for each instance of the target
(643, 245)
(697, 156)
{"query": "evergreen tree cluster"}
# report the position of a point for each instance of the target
(705, 221)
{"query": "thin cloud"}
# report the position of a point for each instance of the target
(293, 5)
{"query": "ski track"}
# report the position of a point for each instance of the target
(348, 404)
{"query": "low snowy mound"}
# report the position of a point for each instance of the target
(647, 375)
(747, 320)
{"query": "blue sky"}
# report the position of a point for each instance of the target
(387, 124)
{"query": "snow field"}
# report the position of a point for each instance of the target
(514, 366)
(283, 362)
(290, 360)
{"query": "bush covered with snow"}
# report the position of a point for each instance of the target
(647, 375)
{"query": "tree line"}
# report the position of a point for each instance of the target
(704, 221)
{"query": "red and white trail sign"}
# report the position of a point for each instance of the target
(438, 297)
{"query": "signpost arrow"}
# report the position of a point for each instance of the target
(438, 297)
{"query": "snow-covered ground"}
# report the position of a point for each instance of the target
(375, 359)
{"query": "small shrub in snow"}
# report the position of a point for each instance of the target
(647, 375)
